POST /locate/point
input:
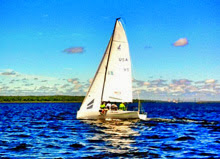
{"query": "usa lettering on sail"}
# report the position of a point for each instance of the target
(123, 59)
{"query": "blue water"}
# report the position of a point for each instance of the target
(50, 130)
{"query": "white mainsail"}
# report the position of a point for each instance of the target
(113, 80)
(118, 84)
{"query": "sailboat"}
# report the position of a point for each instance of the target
(112, 81)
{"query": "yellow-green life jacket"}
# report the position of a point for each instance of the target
(102, 106)
(122, 106)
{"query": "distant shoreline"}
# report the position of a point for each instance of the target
(71, 99)
(41, 99)
(206, 102)
(42, 102)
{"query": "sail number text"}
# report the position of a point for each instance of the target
(126, 69)
(123, 59)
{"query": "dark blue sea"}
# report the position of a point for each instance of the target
(50, 130)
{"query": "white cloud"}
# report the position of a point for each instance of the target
(149, 89)
(181, 42)
(210, 81)
(65, 86)
(180, 88)
(73, 80)
(74, 50)
(146, 83)
(90, 80)
(8, 72)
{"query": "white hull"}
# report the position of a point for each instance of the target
(109, 115)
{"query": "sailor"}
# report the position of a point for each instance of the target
(102, 105)
(108, 105)
(114, 107)
(122, 107)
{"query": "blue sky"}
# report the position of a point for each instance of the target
(34, 36)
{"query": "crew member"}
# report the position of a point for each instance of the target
(102, 105)
(122, 107)
(108, 105)
(114, 107)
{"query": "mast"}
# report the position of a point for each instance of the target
(106, 68)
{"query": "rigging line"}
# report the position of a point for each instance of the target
(133, 72)
(138, 93)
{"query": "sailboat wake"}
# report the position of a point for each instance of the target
(181, 120)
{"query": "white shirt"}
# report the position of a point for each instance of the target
(108, 105)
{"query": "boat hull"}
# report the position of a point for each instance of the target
(109, 115)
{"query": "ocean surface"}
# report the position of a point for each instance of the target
(50, 130)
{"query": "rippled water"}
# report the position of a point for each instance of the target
(42, 130)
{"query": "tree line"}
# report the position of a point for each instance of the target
(56, 98)
(41, 98)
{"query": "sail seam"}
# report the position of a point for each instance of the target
(120, 41)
